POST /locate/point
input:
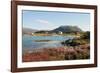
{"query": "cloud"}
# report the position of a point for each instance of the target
(45, 25)
(43, 21)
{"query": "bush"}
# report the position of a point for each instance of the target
(83, 39)
(86, 35)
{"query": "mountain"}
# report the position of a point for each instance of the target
(63, 29)
(28, 30)
(67, 29)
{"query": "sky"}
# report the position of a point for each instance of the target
(49, 20)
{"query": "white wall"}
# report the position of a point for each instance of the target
(5, 23)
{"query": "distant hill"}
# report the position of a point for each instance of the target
(67, 29)
(28, 30)
(63, 29)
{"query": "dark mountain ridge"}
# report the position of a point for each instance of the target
(67, 29)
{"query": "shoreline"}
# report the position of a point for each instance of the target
(44, 34)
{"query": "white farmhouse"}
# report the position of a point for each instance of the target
(32, 33)
(60, 32)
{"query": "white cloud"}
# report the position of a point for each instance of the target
(45, 24)
(43, 21)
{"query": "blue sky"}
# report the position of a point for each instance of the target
(44, 20)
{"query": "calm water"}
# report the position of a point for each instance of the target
(29, 42)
